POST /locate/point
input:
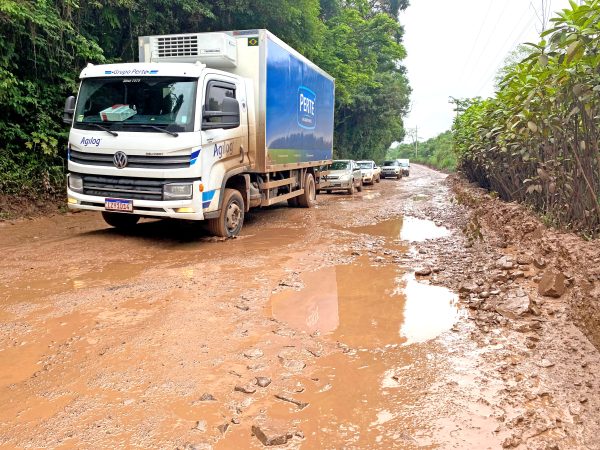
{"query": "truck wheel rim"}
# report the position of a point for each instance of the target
(233, 216)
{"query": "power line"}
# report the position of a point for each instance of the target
(468, 60)
(497, 65)
(491, 35)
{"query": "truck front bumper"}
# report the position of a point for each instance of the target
(166, 208)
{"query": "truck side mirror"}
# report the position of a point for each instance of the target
(230, 115)
(69, 110)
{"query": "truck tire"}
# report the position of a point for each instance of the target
(399, 176)
(309, 198)
(378, 179)
(360, 186)
(231, 218)
(120, 220)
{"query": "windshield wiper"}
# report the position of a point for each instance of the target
(164, 130)
(114, 133)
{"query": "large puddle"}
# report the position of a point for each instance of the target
(406, 228)
(367, 396)
(367, 306)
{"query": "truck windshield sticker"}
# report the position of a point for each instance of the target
(90, 141)
(306, 108)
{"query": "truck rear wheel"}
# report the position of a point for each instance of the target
(120, 220)
(360, 186)
(309, 198)
(231, 218)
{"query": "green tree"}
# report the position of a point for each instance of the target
(44, 44)
(436, 152)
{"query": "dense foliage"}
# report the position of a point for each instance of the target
(436, 152)
(537, 140)
(45, 43)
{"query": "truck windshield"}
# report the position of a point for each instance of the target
(365, 165)
(390, 163)
(130, 103)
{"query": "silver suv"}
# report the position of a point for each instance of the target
(391, 169)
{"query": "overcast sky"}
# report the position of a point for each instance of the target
(455, 49)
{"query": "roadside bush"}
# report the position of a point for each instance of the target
(537, 140)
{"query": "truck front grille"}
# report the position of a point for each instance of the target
(133, 161)
(126, 187)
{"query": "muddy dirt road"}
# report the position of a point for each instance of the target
(312, 330)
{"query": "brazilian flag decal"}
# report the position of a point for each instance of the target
(252, 42)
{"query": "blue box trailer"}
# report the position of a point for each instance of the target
(295, 102)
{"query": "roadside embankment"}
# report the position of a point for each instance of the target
(568, 265)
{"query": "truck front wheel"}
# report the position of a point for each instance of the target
(120, 220)
(231, 218)
(309, 198)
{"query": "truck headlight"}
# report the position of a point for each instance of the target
(75, 183)
(177, 191)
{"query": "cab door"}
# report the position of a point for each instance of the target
(224, 125)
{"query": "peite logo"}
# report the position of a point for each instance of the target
(306, 108)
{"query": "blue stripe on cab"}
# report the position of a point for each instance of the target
(194, 156)
(207, 198)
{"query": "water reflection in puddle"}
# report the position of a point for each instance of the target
(418, 230)
(367, 306)
(429, 310)
(365, 397)
(405, 228)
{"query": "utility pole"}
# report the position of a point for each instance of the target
(416, 141)
(413, 133)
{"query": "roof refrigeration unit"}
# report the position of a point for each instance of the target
(218, 50)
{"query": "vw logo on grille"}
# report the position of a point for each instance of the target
(120, 160)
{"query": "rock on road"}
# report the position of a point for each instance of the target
(337, 326)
